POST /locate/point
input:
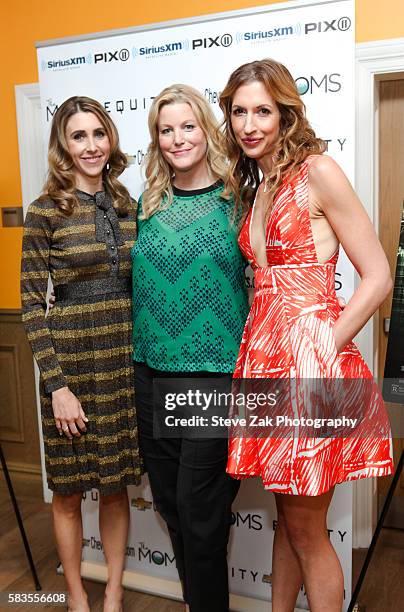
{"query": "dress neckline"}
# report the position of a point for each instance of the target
(189, 193)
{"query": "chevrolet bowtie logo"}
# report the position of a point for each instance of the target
(141, 504)
(267, 578)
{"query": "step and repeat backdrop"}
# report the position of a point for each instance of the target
(125, 71)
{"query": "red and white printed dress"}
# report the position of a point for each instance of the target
(288, 334)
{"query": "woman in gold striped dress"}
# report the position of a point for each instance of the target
(80, 232)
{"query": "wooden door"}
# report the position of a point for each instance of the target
(391, 198)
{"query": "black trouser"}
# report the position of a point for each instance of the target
(193, 494)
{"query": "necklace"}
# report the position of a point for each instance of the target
(266, 183)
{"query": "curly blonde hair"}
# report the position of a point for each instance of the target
(60, 184)
(296, 138)
(158, 171)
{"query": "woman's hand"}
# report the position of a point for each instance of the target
(68, 413)
(52, 300)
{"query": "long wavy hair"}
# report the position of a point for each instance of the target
(60, 184)
(159, 173)
(296, 138)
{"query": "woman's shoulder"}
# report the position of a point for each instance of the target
(43, 205)
(321, 164)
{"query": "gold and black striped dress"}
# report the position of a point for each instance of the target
(85, 342)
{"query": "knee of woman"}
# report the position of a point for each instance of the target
(303, 539)
(121, 497)
(281, 522)
(68, 505)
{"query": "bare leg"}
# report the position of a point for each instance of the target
(287, 576)
(114, 526)
(305, 519)
(69, 540)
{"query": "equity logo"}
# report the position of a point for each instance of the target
(68, 63)
(328, 83)
(169, 48)
(335, 25)
(120, 55)
(221, 40)
(265, 35)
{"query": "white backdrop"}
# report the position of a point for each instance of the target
(124, 71)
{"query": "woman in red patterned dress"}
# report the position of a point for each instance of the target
(304, 207)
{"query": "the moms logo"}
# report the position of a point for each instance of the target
(265, 35)
(121, 55)
(170, 48)
(221, 40)
(154, 557)
(67, 63)
(251, 521)
(327, 83)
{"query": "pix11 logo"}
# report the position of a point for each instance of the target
(341, 24)
(69, 63)
(106, 57)
(170, 48)
(221, 40)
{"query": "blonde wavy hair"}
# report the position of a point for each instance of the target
(158, 171)
(296, 138)
(60, 184)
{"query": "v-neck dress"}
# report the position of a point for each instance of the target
(288, 335)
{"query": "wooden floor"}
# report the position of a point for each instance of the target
(383, 590)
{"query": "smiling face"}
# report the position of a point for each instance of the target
(255, 119)
(89, 147)
(181, 139)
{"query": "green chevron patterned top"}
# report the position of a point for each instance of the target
(189, 294)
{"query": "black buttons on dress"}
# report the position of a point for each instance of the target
(114, 261)
(112, 248)
(108, 232)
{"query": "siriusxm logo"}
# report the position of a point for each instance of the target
(265, 35)
(164, 49)
(71, 62)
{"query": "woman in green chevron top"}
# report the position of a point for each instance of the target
(189, 307)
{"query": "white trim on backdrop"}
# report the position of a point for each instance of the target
(167, 588)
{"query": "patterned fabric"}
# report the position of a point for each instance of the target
(289, 335)
(189, 294)
(85, 341)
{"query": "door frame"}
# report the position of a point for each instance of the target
(27, 102)
(375, 61)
